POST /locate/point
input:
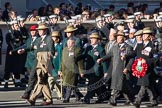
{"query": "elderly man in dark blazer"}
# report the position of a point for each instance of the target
(94, 71)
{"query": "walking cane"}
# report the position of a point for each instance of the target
(61, 81)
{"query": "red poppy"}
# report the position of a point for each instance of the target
(138, 68)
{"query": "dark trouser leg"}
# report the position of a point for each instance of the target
(8, 65)
(23, 60)
(17, 80)
(6, 78)
(16, 75)
(31, 83)
(140, 95)
(101, 89)
(160, 88)
(91, 87)
(6, 75)
(0, 56)
(151, 93)
(76, 90)
(68, 93)
(76, 93)
(90, 94)
(127, 91)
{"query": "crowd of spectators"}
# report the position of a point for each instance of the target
(65, 11)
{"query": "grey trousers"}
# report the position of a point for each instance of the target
(151, 93)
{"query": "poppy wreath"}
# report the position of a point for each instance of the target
(138, 68)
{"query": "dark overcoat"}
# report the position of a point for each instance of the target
(118, 65)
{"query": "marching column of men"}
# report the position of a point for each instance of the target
(107, 57)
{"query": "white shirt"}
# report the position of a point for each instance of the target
(94, 46)
(33, 38)
(43, 37)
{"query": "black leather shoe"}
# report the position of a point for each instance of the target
(137, 105)
(99, 101)
(78, 99)
(32, 103)
(113, 104)
(46, 103)
(19, 84)
(6, 85)
(86, 101)
(127, 103)
(25, 96)
(152, 105)
(65, 101)
(23, 80)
